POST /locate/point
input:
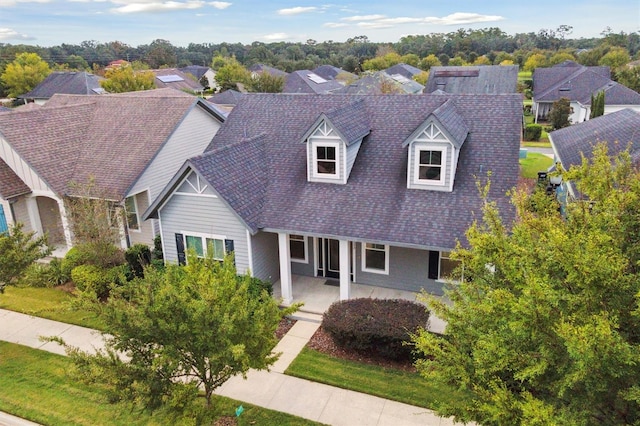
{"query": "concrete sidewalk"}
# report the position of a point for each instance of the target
(274, 390)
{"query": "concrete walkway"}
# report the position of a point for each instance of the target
(273, 389)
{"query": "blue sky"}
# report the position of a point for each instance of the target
(137, 22)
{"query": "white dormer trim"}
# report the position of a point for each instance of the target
(324, 145)
(431, 139)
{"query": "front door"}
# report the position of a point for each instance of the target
(328, 258)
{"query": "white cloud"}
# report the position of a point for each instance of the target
(275, 36)
(167, 6)
(9, 3)
(363, 18)
(459, 18)
(373, 25)
(9, 34)
(220, 4)
(297, 10)
(334, 25)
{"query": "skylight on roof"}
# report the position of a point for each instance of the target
(400, 78)
(316, 78)
(171, 78)
(99, 90)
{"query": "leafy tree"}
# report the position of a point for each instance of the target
(546, 327)
(422, 78)
(231, 73)
(559, 114)
(183, 329)
(126, 79)
(629, 77)
(266, 83)
(537, 60)
(429, 61)
(561, 57)
(597, 104)
(380, 63)
(457, 61)
(616, 57)
(24, 73)
(18, 250)
(482, 60)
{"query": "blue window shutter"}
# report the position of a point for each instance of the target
(3, 221)
(434, 264)
(182, 258)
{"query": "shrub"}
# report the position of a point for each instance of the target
(93, 279)
(138, 256)
(256, 286)
(532, 132)
(375, 326)
(72, 259)
(38, 275)
(157, 247)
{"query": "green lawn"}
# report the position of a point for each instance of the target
(397, 385)
(534, 163)
(35, 386)
(51, 303)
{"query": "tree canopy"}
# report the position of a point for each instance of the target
(126, 79)
(559, 114)
(545, 327)
(182, 329)
(24, 73)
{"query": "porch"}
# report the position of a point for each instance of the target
(318, 293)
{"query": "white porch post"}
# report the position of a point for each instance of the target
(345, 271)
(65, 224)
(286, 289)
(34, 215)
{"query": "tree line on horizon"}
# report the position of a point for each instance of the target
(461, 47)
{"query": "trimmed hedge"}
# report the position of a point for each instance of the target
(375, 326)
(532, 132)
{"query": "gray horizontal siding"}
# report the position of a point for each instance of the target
(266, 264)
(190, 139)
(146, 233)
(204, 215)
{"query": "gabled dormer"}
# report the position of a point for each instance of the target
(434, 148)
(333, 142)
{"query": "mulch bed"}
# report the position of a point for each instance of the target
(285, 325)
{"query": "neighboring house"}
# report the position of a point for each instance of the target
(305, 81)
(199, 71)
(382, 83)
(487, 79)
(176, 79)
(577, 83)
(405, 70)
(374, 190)
(329, 72)
(130, 144)
(260, 68)
(64, 82)
(228, 98)
(619, 130)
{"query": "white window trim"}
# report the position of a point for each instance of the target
(416, 165)
(126, 214)
(306, 250)
(186, 234)
(364, 260)
(314, 160)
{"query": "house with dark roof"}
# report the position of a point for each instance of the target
(227, 98)
(64, 82)
(129, 145)
(375, 190)
(619, 130)
(329, 72)
(260, 68)
(405, 70)
(578, 83)
(178, 80)
(200, 72)
(381, 83)
(485, 79)
(305, 81)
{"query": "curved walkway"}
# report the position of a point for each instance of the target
(273, 389)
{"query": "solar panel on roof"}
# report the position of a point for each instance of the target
(316, 78)
(171, 78)
(457, 73)
(400, 78)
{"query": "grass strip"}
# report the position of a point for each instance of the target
(534, 163)
(35, 386)
(397, 385)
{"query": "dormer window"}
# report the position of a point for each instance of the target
(326, 160)
(430, 165)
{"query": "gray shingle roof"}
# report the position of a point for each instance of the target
(260, 68)
(264, 132)
(380, 83)
(109, 137)
(301, 82)
(329, 72)
(186, 82)
(569, 80)
(10, 184)
(448, 115)
(350, 120)
(618, 129)
(72, 83)
(228, 97)
(195, 70)
(481, 79)
(405, 70)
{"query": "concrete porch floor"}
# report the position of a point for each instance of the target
(318, 296)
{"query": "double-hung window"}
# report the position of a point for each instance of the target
(298, 248)
(375, 258)
(131, 209)
(448, 267)
(326, 160)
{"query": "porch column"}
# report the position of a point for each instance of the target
(286, 289)
(65, 224)
(345, 271)
(34, 215)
